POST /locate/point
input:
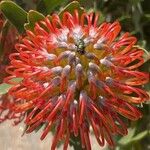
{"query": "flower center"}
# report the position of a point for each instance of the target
(80, 47)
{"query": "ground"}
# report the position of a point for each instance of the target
(10, 139)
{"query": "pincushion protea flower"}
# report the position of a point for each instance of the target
(77, 74)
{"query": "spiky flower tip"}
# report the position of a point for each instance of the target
(77, 74)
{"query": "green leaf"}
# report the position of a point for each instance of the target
(140, 136)
(134, 2)
(75, 142)
(101, 18)
(47, 6)
(145, 19)
(4, 88)
(71, 7)
(33, 17)
(147, 16)
(16, 80)
(127, 139)
(14, 13)
(124, 18)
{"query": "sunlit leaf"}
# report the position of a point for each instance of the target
(140, 136)
(14, 13)
(33, 17)
(71, 7)
(4, 87)
(146, 17)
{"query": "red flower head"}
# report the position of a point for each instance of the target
(77, 74)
